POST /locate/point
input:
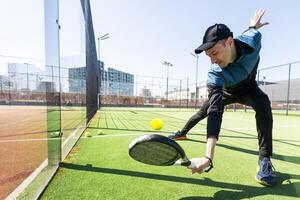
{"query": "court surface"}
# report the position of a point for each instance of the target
(99, 167)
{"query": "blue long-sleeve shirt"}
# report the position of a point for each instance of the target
(236, 75)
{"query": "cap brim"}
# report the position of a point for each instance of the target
(204, 47)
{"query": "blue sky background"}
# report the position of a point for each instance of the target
(145, 33)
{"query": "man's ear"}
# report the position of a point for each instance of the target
(230, 41)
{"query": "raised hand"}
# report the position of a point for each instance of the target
(255, 20)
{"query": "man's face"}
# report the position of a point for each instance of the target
(220, 53)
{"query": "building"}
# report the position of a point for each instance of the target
(24, 76)
(278, 90)
(119, 83)
(112, 81)
(146, 92)
(77, 79)
(5, 83)
(72, 73)
(46, 86)
(184, 93)
(103, 77)
(103, 73)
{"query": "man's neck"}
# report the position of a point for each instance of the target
(233, 54)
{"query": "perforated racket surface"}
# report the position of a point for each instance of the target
(154, 149)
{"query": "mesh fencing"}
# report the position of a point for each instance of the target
(281, 83)
(151, 91)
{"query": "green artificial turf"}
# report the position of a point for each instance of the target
(99, 167)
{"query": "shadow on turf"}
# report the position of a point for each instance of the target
(291, 159)
(284, 187)
(250, 136)
(254, 136)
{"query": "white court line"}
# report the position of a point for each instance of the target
(120, 135)
(141, 133)
(29, 140)
(96, 136)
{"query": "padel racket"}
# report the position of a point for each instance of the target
(154, 149)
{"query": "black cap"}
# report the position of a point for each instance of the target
(212, 35)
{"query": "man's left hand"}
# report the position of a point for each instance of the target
(255, 20)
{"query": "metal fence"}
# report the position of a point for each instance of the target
(281, 83)
(152, 91)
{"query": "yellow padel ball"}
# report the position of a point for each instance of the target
(157, 124)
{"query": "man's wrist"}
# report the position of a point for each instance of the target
(210, 164)
(208, 158)
(249, 28)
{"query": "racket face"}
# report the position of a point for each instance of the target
(155, 149)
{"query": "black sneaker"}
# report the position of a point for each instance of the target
(177, 136)
(265, 175)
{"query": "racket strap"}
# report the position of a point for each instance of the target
(210, 164)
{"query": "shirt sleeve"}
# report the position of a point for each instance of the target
(215, 77)
(215, 111)
(252, 37)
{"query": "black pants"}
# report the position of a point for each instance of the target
(259, 101)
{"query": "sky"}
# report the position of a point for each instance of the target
(22, 33)
(143, 34)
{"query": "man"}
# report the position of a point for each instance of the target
(232, 80)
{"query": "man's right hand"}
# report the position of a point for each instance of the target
(198, 165)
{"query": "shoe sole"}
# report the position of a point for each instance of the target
(264, 183)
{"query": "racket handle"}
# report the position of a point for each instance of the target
(186, 163)
(183, 163)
